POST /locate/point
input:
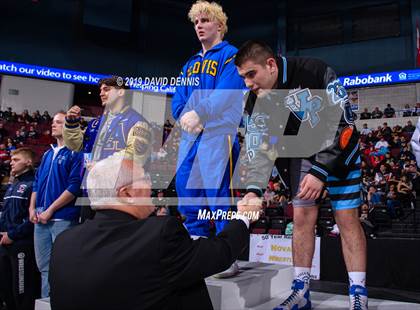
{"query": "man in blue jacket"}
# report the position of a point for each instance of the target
(19, 277)
(206, 157)
(52, 208)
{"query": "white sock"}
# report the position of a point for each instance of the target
(302, 274)
(357, 278)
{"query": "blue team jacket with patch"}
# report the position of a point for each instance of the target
(54, 176)
(15, 214)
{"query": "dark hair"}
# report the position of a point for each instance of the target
(114, 81)
(256, 51)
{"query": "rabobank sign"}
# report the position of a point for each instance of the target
(367, 80)
(406, 76)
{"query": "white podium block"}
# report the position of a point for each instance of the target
(256, 284)
(42, 304)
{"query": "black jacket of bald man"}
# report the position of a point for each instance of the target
(116, 262)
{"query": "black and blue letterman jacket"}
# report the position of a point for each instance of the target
(337, 159)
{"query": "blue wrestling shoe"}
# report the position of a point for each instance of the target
(358, 297)
(300, 299)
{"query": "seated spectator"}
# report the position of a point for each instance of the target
(377, 113)
(392, 203)
(411, 171)
(404, 190)
(381, 143)
(13, 118)
(381, 177)
(375, 160)
(416, 110)
(17, 139)
(407, 111)
(409, 128)
(36, 119)
(397, 129)
(365, 114)
(268, 195)
(389, 111)
(395, 170)
(386, 131)
(32, 133)
(7, 113)
(46, 117)
(4, 155)
(38, 116)
(406, 151)
(366, 170)
(23, 132)
(370, 138)
(25, 117)
(365, 130)
(3, 132)
(374, 198)
(395, 142)
(388, 159)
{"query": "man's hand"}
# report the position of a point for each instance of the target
(190, 122)
(74, 112)
(5, 240)
(250, 206)
(310, 188)
(45, 216)
(33, 217)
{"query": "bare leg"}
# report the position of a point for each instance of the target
(304, 219)
(352, 238)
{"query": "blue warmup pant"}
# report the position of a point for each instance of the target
(204, 174)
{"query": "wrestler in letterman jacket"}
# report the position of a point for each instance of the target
(337, 160)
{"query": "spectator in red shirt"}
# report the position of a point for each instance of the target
(4, 155)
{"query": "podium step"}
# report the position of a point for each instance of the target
(256, 284)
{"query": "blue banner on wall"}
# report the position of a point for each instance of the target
(384, 78)
(70, 76)
(362, 80)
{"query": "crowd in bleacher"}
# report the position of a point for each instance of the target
(390, 174)
(390, 112)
